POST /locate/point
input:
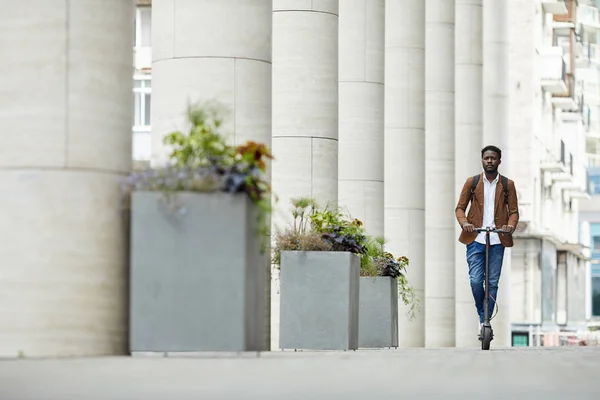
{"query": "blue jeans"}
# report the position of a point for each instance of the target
(476, 261)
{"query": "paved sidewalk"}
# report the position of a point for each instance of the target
(528, 373)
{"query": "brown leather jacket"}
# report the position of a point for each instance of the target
(503, 215)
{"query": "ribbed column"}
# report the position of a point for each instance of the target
(305, 103)
(66, 141)
(205, 50)
(576, 294)
(404, 177)
(213, 51)
(439, 174)
(361, 38)
(495, 131)
(563, 263)
(468, 124)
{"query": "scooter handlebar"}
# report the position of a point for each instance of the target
(492, 230)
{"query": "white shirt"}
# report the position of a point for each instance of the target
(489, 200)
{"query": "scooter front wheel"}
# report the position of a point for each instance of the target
(486, 337)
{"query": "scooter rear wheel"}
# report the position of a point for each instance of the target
(486, 337)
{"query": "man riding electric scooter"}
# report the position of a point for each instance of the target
(494, 203)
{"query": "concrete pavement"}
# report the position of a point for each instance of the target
(548, 373)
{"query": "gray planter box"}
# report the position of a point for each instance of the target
(319, 300)
(198, 278)
(378, 316)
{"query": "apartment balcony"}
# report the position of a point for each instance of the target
(575, 191)
(593, 134)
(143, 58)
(588, 18)
(569, 101)
(591, 93)
(589, 56)
(553, 167)
(554, 70)
(593, 160)
(556, 165)
(562, 178)
(564, 21)
(579, 187)
(592, 137)
(556, 7)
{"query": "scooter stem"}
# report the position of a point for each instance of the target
(486, 302)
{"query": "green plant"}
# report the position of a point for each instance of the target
(313, 229)
(343, 233)
(318, 230)
(201, 160)
(378, 262)
(303, 209)
(203, 145)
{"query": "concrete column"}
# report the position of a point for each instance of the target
(495, 131)
(204, 50)
(207, 51)
(563, 264)
(404, 177)
(439, 174)
(66, 127)
(305, 103)
(495, 74)
(576, 291)
(467, 139)
(361, 41)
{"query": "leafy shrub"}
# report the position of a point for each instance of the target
(318, 230)
(331, 230)
(201, 160)
(378, 262)
(294, 241)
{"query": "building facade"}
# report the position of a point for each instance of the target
(546, 122)
(590, 218)
(553, 103)
(386, 118)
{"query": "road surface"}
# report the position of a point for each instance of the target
(528, 373)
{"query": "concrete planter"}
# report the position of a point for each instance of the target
(319, 300)
(378, 315)
(198, 278)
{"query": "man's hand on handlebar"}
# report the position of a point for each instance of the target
(468, 227)
(508, 228)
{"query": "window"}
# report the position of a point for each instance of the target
(596, 296)
(143, 27)
(596, 244)
(142, 102)
(594, 183)
(520, 339)
(571, 163)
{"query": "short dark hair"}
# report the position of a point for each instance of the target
(492, 148)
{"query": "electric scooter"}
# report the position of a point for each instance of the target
(487, 334)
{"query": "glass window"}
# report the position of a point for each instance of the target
(596, 296)
(594, 183)
(596, 244)
(520, 339)
(146, 26)
(143, 27)
(147, 107)
(142, 102)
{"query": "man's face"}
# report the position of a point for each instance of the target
(490, 161)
